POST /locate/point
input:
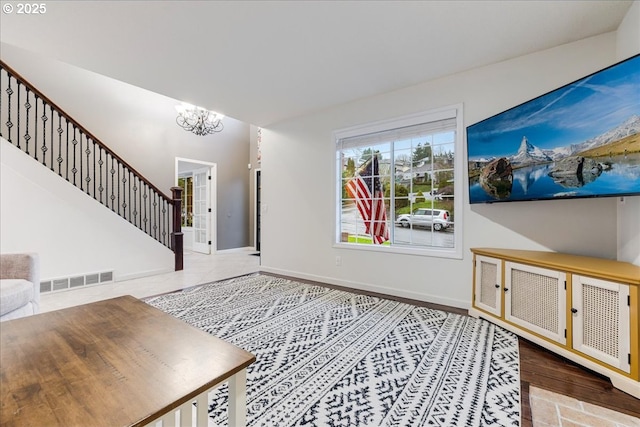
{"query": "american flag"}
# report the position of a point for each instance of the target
(366, 189)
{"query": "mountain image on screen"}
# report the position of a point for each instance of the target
(580, 140)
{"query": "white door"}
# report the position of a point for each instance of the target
(201, 211)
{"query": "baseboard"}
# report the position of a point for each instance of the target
(232, 250)
(140, 274)
(434, 299)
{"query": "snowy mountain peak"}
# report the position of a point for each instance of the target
(529, 153)
(632, 122)
(629, 127)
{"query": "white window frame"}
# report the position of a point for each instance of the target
(395, 123)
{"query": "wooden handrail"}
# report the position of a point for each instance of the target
(12, 73)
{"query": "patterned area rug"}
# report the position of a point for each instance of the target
(332, 358)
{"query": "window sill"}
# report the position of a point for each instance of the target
(426, 252)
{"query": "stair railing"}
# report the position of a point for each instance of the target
(37, 126)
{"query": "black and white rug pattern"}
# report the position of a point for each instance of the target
(327, 357)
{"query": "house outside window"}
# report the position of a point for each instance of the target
(399, 184)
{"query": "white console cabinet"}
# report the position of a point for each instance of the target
(585, 309)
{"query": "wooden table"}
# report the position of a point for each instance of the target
(118, 362)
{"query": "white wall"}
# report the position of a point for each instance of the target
(73, 233)
(298, 199)
(628, 44)
(140, 127)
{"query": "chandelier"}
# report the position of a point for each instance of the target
(198, 120)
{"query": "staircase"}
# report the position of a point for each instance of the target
(37, 126)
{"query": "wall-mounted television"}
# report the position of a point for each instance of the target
(580, 140)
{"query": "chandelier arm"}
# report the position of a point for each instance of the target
(199, 121)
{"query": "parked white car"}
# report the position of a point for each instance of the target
(438, 219)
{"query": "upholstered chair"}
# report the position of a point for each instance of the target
(19, 285)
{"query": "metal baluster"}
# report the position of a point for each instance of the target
(74, 142)
(151, 192)
(118, 190)
(52, 142)
(124, 194)
(151, 213)
(35, 128)
(106, 178)
(81, 157)
(100, 163)
(140, 206)
(44, 119)
(113, 172)
(145, 208)
(135, 193)
(27, 107)
(59, 159)
(9, 122)
(130, 196)
(95, 196)
(87, 179)
(66, 157)
(164, 217)
(155, 213)
(18, 118)
(158, 213)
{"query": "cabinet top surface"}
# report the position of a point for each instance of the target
(614, 270)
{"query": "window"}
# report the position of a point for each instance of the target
(399, 184)
(186, 183)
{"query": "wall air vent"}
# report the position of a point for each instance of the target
(77, 281)
(92, 279)
(60, 284)
(106, 277)
(74, 282)
(45, 286)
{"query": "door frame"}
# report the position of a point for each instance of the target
(212, 196)
(257, 213)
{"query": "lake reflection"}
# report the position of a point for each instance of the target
(534, 182)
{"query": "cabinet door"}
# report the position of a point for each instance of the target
(488, 284)
(601, 320)
(535, 299)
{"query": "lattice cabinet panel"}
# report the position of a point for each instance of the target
(600, 311)
(535, 298)
(488, 284)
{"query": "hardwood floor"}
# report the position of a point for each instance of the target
(541, 368)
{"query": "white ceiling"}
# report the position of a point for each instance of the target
(265, 61)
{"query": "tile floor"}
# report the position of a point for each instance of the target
(548, 409)
(198, 269)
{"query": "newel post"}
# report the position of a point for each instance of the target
(176, 235)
